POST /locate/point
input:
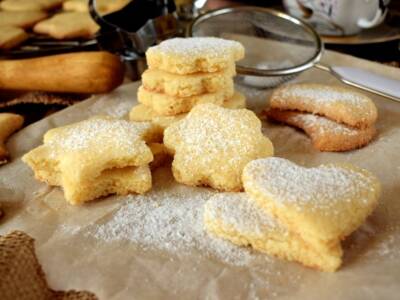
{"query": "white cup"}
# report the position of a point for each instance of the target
(339, 17)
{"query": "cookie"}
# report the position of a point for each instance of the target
(232, 216)
(95, 157)
(337, 103)
(166, 105)
(325, 134)
(212, 144)
(68, 25)
(322, 205)
(193, 55)
(141, 112)
(9, 123)
(160, 154)
(29, 5)
(22, 19)
(102, 6)
(188, 85)
(77, 5)
(11, 37)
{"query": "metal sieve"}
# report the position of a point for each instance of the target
(279, 47)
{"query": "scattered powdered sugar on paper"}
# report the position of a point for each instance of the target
(315, 188)
(170, 220)
(119, 110)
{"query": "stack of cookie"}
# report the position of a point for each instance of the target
(335, 118)
(295, 213)
(185, 72)
(97, 157)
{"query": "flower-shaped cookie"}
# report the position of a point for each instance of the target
(194, 55)
(95, 157)
(211, 146)
(322, 205)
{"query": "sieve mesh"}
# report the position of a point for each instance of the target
(285, 45)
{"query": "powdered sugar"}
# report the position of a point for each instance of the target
(169, 219)
(236, 211)
(323, 125)
(320, 94)
(87, 134)
(210, 132)
(210, 47)
(314, 188)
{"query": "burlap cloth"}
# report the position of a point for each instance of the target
(21, 274)
(73, 259)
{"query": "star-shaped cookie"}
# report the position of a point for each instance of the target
(322, 205)
(95, 157)
(211, 146)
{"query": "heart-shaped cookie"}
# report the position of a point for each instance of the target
(323, 205)
(232, 216)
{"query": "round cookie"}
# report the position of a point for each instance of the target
(166, 105)
(325, 134)
(141, 112)
(212, 145)
(338, 103)
(188, 85)
(193, 55)
(322, 205)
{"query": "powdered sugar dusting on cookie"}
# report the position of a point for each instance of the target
(315, 188)
(320, 94)
(236, 211)
(199, 46)
(210, 133)
(324, 125)
(87, 134)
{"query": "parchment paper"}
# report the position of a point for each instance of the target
(120, 270)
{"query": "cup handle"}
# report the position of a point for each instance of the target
(378, 18)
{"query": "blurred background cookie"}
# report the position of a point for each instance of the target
(29, 5)
(11, 37)
(68, 25)
(103, 6)
(22, 19)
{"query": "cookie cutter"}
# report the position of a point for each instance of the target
(130, 31)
